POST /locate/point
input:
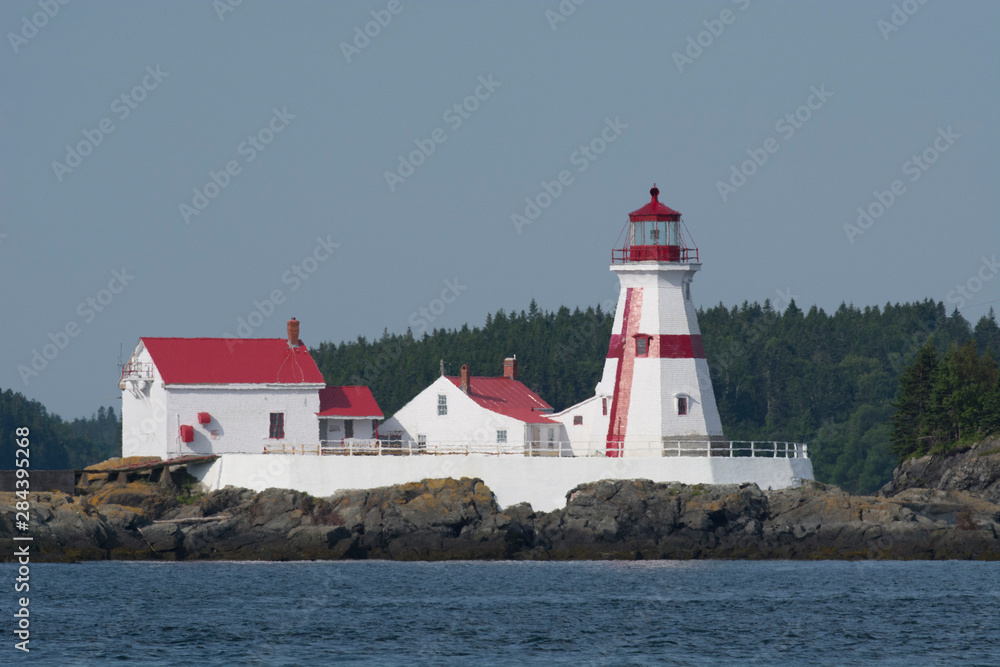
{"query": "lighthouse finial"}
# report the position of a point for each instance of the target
(655, 192)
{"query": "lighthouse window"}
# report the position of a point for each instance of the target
(641, 346)
(277, 429)
(604, 406)
(687, 291)
(682, 405)
(442, 405)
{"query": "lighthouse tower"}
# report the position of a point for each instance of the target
(655, 373)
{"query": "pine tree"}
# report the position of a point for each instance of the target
(913, 399)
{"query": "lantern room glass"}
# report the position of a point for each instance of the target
(656, 232)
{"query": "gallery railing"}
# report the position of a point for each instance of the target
(557, 449)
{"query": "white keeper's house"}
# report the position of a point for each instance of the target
(475, 414)
(203, 396)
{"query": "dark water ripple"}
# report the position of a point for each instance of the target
(590, 613)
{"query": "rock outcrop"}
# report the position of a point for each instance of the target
(133, 517)
(974, 470)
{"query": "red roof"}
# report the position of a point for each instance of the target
(232, 361)
(348, 402)
(507, 397)
(654, 210)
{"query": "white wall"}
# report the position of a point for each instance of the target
(335, 428)
(144, 413)
(466, 421)
(541, 481)
(240, 417)
(593, 432)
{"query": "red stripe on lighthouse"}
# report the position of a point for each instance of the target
(673, 346)
(623, 375)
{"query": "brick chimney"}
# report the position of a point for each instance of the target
(293, 333)
(510, 368)
(465, 384)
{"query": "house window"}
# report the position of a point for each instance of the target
(604, 405)
(641, 346)
(422, 441)
(348, 428)
(552, 438)
(577, 420)
(442, 405)
(502, 436)
(682, 405)
(277, 425)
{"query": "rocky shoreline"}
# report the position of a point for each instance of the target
(137, 518)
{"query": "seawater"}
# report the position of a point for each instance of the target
(500, 613)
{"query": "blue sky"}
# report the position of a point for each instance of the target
(262, 160)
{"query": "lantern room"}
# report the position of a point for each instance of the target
(654, 234)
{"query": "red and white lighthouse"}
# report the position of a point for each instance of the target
(655, 373)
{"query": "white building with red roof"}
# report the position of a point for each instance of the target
(186, 396)
(347, 416)
(476, 414)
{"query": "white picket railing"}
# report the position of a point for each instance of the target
(668, 448)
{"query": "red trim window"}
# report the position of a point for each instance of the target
(578, 420)
(682, 405)
(604, 405)
(277, 425)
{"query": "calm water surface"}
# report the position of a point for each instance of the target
(683, 613)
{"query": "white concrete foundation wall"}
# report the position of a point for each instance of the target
(542, 482)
